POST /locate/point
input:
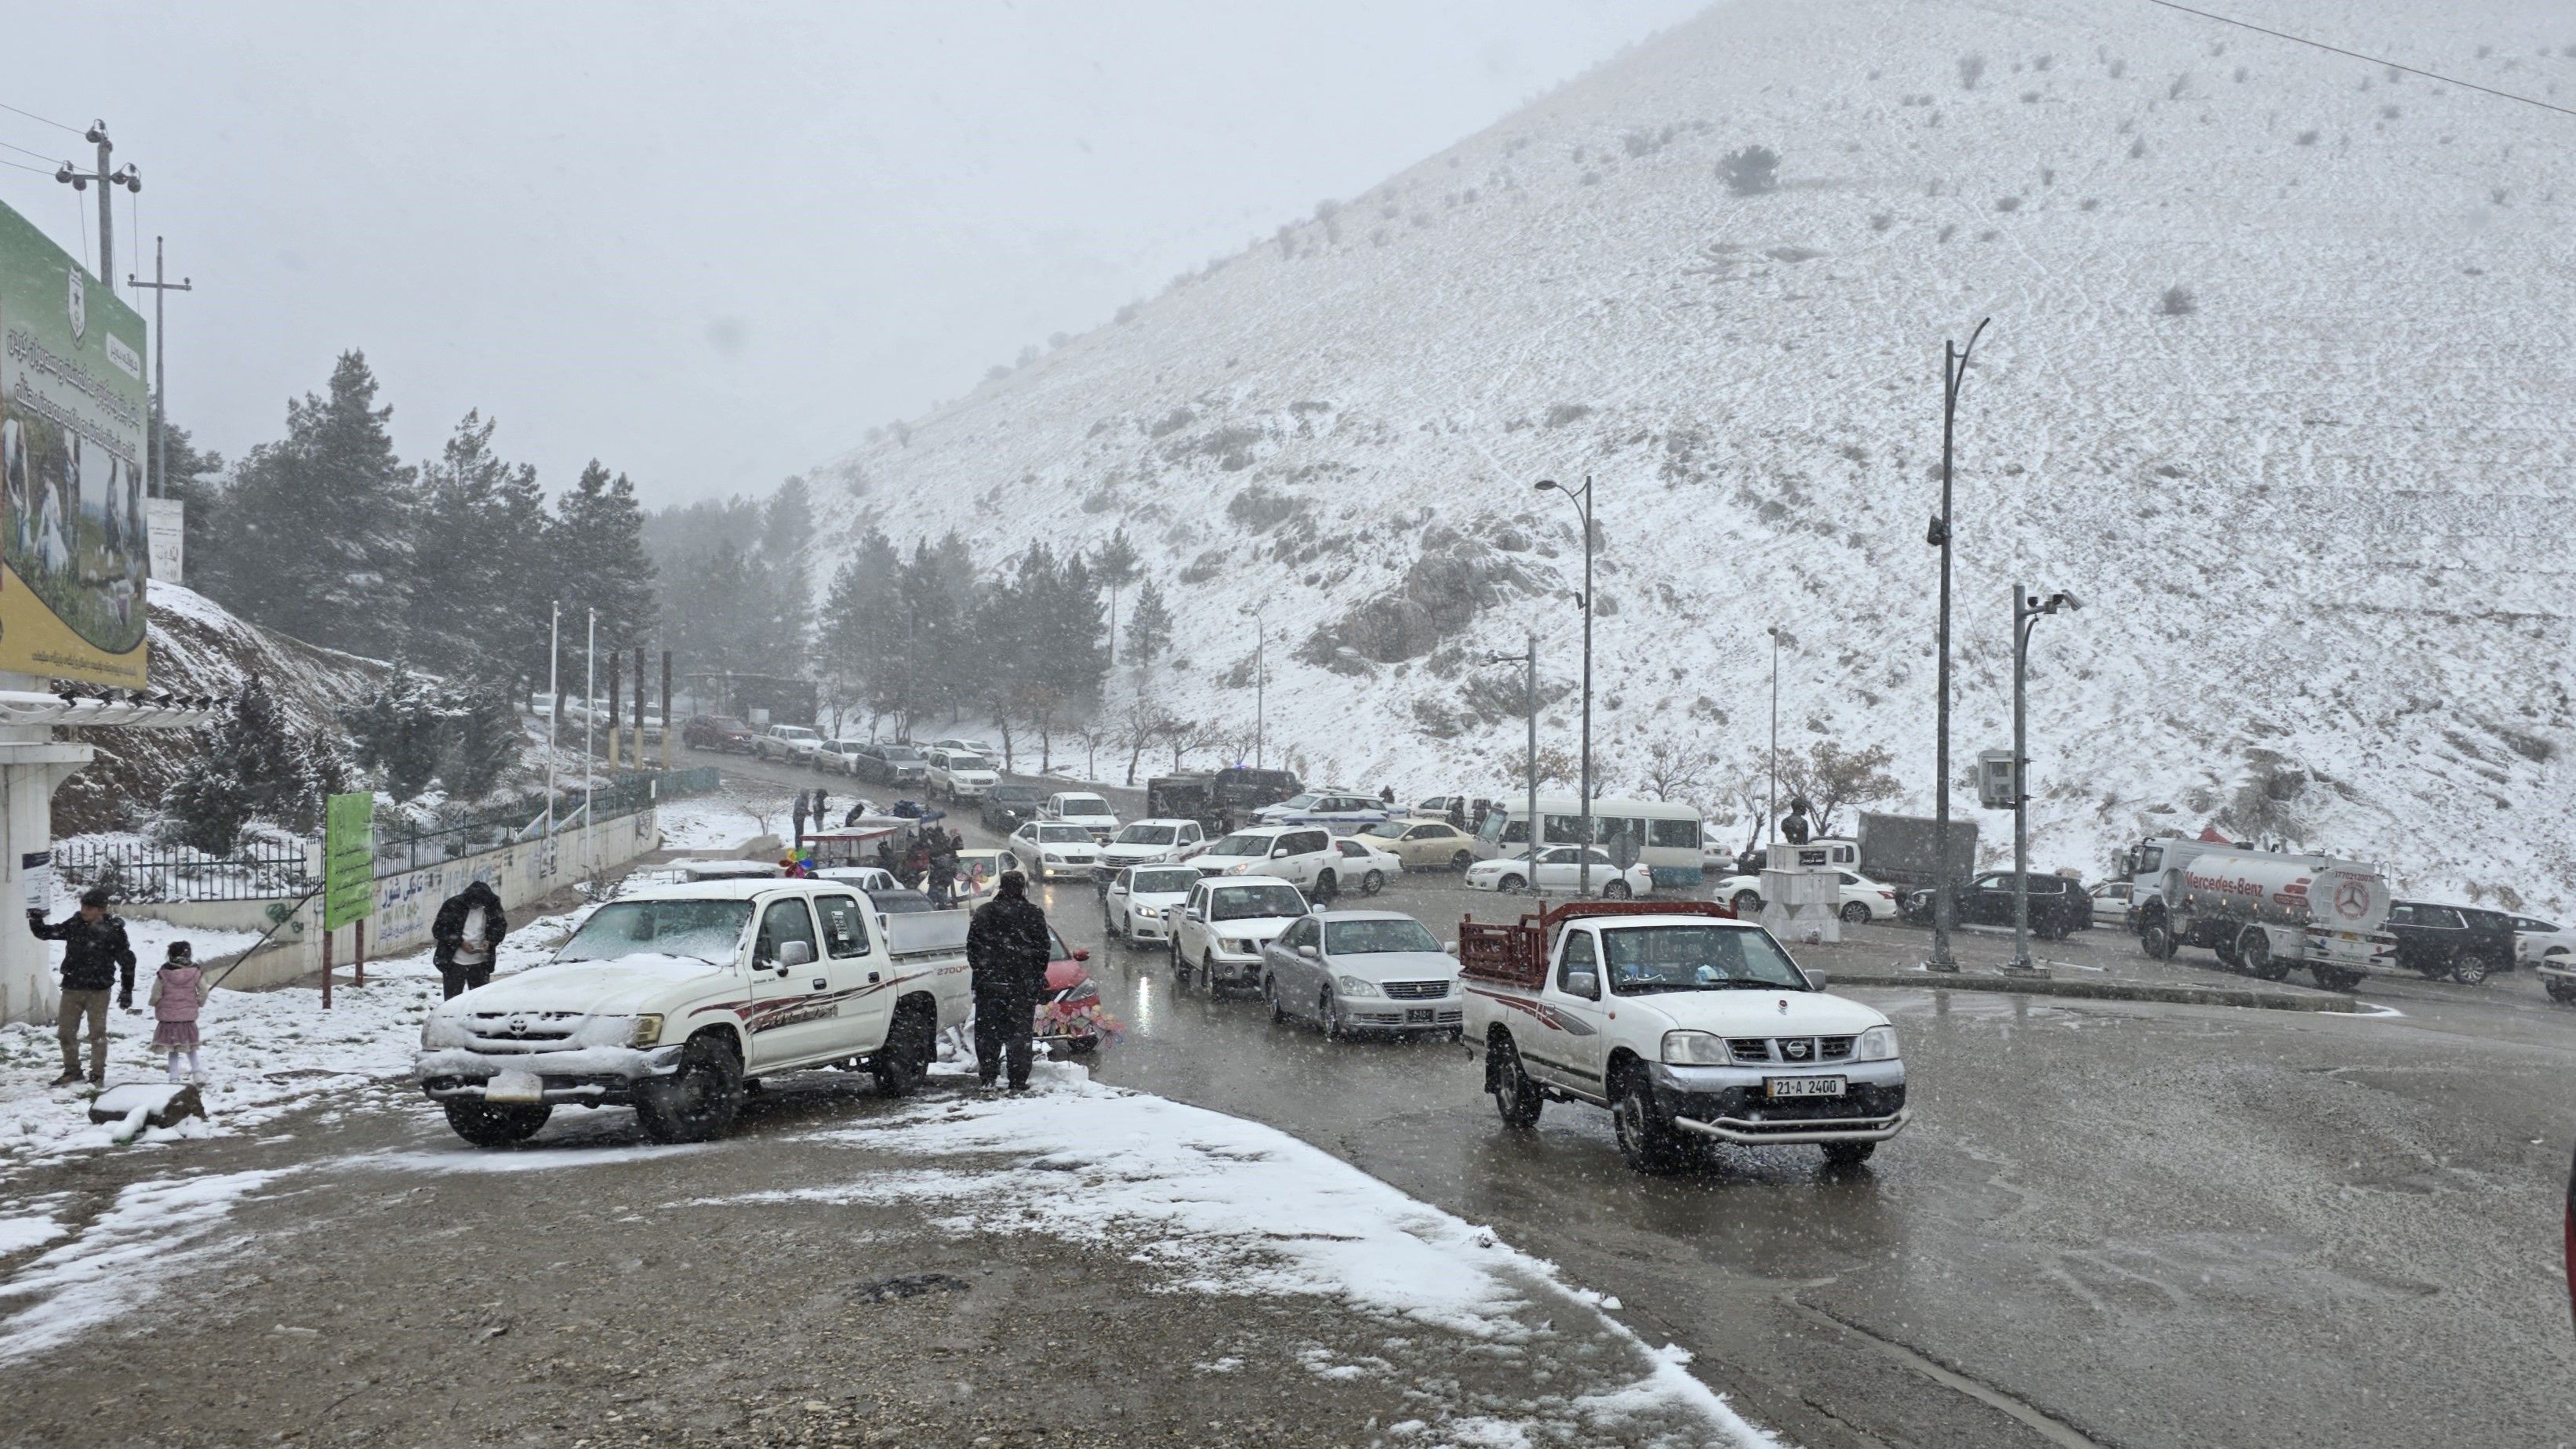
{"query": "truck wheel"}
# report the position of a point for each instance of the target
(2335, 978)
(1462, 860)
(2157, 939)
(2254, 948)
(1844, 1156)
(1855, 914)
(2560, 990)
(904, 1060)
(697, 1102)
(1207, 973)
(486, 1125)
(1647, 1138)
(2471, 968)
(1510, 883)
(1516, 1097)
(1616, 890)
(1746, 902)
(1326, 887)
(1373, 882)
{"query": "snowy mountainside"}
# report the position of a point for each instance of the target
(2274, 383)
(199, 647)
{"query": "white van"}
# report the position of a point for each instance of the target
(1666, 832)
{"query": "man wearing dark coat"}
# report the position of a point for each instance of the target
(1007, 948)
(95, 954)
(465, 937)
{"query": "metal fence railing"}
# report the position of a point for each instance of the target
(142, 870)
(150, 871)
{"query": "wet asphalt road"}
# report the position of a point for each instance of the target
(2110, 1223)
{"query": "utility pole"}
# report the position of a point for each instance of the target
(158, 475)
(554, 709)
(1582, 501)
(589, 712)
(1774, 814)
(108, 181)
(1260, 679)
(2027, 608)
(1528, 660)
(1945, 910)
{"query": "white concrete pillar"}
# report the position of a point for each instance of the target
(32, 764)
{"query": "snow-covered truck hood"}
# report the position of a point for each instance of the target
(1261, 929)
(1758, 1013)
(1400, 966)
(619, 987)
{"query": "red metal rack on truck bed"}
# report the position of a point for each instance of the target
(1516, 955)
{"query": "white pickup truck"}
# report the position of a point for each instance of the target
(673, 999)
(1689, 1025)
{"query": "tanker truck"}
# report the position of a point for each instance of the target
(2268, 913)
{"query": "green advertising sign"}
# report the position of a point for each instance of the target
(348, 860)
(75, 547)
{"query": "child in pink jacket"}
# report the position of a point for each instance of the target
(177, 992)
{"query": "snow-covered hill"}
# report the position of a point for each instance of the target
(198, 647)
(2318, 512)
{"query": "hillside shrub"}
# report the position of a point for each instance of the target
(1750, 170)
(2178, 302)
(1972, 68)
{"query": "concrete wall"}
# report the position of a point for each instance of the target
(407, 902)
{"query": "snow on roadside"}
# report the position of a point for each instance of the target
(115, 1261)
(264, 1053)
(1208, 1197)
(716, 822)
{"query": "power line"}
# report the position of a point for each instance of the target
(32, 116)
(23, 151)
(2449, 80)
(39, 170)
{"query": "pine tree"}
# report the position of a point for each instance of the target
(479, 601)
(862, 626)
(316, 530)
(249, 765)
(1149, 629)
(484, 737)
(1116, 568)
(597, 546)
(401, 731)
(194, 480)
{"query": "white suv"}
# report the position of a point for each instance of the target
(1153, 842)
(787, 742)
(1081, 807)
(1302, 854)
(1222, 929)
(960, 774)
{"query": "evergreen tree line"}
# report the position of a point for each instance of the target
(930, 636)
(451, 565)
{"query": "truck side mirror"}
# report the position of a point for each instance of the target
(1815, 977)
(795, 953)
(1586, 984)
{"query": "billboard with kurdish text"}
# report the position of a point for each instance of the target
(75, 542)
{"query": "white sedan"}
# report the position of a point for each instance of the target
(1365, 865)
(1047, 851)
(1560, 869)
(1863, 899)
(1142, 899)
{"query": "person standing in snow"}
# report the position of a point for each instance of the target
(1007, 948)
(96, 959)
(821, 820)
(800, 820)
(178, 990)
(465, 936)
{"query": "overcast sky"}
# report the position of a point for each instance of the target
(712, 246)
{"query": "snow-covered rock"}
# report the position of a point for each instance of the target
(2315, 501)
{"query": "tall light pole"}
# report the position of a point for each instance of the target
(1767, 825)
(157, 477)
(1582, 500)
(2027, 607)
(1260, 679)
(1945, 910)
(1528, 660)
(554, 707)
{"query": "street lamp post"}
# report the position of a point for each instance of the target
(1260, 679)
(1945, 909)
(1582, 500)
(2027, 607)
(1528, 660)
(1767, 827)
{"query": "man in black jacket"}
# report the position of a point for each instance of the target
(465, 937)
(1007, 947)
(96, 959)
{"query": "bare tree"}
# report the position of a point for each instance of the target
(1829, 777)
(1094, 732)
(1746, 785)
(1674, 768)
(1555, 766)
(1143, 722)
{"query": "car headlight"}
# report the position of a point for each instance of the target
(1694, 1049)
(1355, 986)
(1878, 1044)
(648, 1030)
(1238, 869)
(439, 1032)
(1235, 945)
(1054, 859)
